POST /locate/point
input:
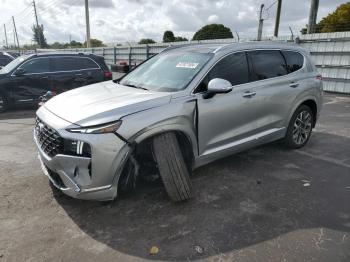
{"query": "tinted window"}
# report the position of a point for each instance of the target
(4, 60)
(40, 65)
(86, 63)
(65, 64)
(267, 64)
(294, 60)
(233, 68)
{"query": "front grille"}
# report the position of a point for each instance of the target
(49, 140)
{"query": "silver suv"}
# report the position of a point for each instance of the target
(179, 110)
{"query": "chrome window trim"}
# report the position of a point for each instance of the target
(247, 50)
(55, 72)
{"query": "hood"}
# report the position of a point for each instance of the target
(103, 102)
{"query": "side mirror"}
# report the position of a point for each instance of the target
(19, 72)
(217, 86)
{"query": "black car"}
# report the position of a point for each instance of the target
(5, 58)
(28, 77)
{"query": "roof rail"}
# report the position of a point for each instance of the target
(175, 46)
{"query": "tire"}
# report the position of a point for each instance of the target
(299, 128)
(3, 103)
(172, 167)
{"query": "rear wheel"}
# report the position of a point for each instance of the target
(172, 167)
(300, 128)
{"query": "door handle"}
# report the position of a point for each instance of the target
(44, 77)
(294, 84)
(249, 94)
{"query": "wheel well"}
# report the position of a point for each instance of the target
(313, 106)
(146, 166)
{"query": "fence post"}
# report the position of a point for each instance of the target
(147, 51)
(130, 48)
(114, 55)
(103, 52)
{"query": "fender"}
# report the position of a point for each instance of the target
(178, 116)
(297, 104)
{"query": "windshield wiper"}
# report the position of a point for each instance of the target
(138, 87)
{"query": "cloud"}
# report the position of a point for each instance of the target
(92, 3)
(130, 20)
(213, 19)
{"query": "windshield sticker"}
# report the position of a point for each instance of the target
(187, 65)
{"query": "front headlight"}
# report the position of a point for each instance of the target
(99, 129)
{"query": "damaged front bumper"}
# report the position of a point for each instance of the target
(92, 178)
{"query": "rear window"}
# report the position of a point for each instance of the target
(294, 60)
(266, 64)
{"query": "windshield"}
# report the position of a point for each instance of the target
(167, 72)
(13, 64)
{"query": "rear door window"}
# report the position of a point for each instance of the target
(34, 66)
(294, 60)
(266, 64)
(62, 64)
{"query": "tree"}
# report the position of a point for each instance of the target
(168, 36)
(145, 41)
(38, 36)
(180, 39)
(213, 31)
(57, 45)
(95, 43)
(337, 21)
(75, 44)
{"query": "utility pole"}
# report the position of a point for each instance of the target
(37, 24)
(14, 27)
(278, 15)
(311, 27)
(261, 22)
(5, 36)
(87, 23)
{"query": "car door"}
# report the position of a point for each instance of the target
(70, 72)
(90, 72)
(227, 119)
(34, 80)
(274, 88)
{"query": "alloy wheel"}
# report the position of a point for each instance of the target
(302, 127)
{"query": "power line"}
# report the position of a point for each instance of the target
(266, 9)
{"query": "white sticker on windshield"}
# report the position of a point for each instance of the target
(187, 65)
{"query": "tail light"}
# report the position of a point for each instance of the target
(319, 77)
(107, 75)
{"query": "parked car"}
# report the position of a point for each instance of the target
(181, 109)
(28, 77)
(5, 58)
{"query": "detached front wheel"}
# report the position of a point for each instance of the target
(172, 167)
